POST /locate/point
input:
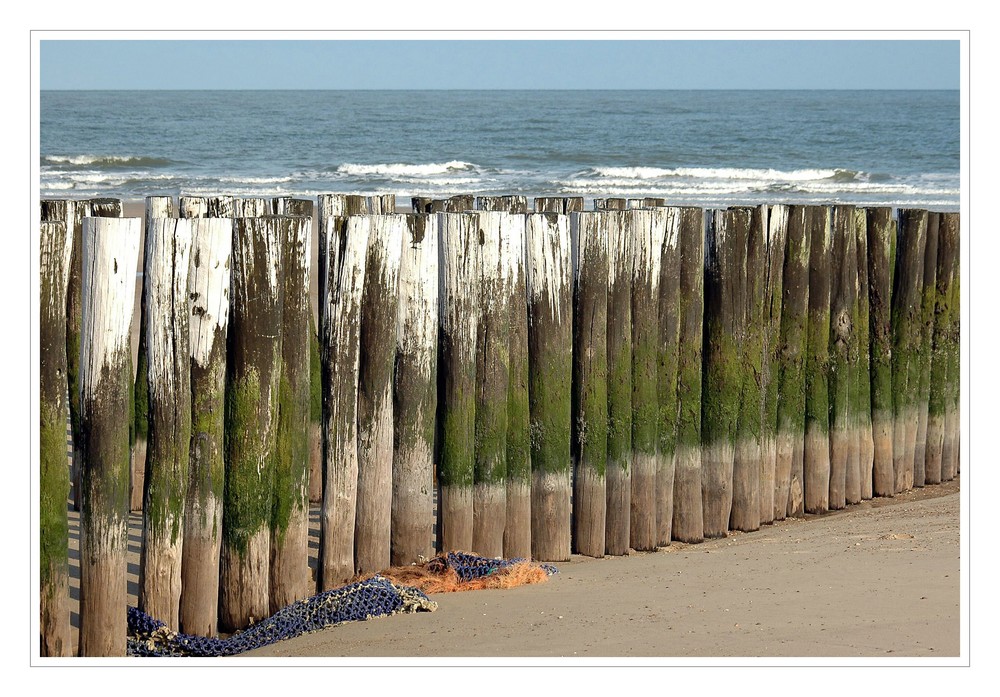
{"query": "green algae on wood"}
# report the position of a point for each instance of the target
(618, 473)
(881, 229)
(668, 327)
(252, 396)
(945, 313)
(167, 376)
(647, 231)
(862, 374)
(906, 331)
(789, 371)
(415, 393)
(459, 318)
(688, 525)
(56, 247)
(289, 525)
(723, 362)
(110, 257)
(777, 229)
(952, 350)
(550, 367)
(589, 235)
(927, 302)
(492, 379)
(208, 323)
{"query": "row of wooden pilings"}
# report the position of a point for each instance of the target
(585, 381)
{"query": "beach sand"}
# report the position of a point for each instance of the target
(877, 579)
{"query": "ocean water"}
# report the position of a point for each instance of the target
(705, 148)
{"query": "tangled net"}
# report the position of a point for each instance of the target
(397, 590)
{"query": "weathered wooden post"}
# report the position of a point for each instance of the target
(252, 395)
(862, 376)
(945, 311)
(289, 523)
(193, 206)
(288, 205)
(168, 378)
(56, 243)
(881, 264)
(110, 257)
(382, 204)
(97, 208)
(950, 454)
(845, 475)
(347, 250)
(777, 231)
(688, 524)
(725, 269)
(459, 317)
(253, 207)
(745, 515)
(558, 204)
(618, 474)
(415, 393)
(208, 324)
(590, 381)
(156, 207)
(906, 292)
(315, 415)
(453, 204)
(610, 204)
(550, 366)
(652, 202)
(790, 368)
(517, 532)
(816, 455)
(379, 304)
(927, 301)
(510, 204)
(647, 230)
(489, 504)
(668, 326)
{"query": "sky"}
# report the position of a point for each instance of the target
(498, 64)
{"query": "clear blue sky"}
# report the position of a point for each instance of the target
(469, 64)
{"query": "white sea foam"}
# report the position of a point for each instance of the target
(644, 173)
(397, 169)
(104, 160)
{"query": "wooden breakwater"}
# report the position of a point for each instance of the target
(489, 379)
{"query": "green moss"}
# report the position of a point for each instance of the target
(550, 407)
(73, 377)
(207, 462)
(620, 404)
(249, 464)
(518, 429)
(722, 384)
(458, 432)
(689, 375)
(53, 527)
(645, 400)
(816, 369)
(291, 456)
(592, 424)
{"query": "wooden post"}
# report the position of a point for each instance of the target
(347, 250)
(688, 523)
(517, 532)
(745, 515)
(287, 205)
(927, 302)
(382, 204)
(489, 496)
(618, 474)
(862, 376)
(590, 381)
(558, 204)
(647, 230)
(610, 204)
(251, 207)
(881, 263)
(510, 204)
(56, 248)
(97, 208)
(648, 202)
(165, 292)
(906, 292)
(156, 207)
(315, 415)
(816, 456)
(208, 324)
(379, 303)
(110, 257)
(452, 204)
(945, 312)
(790, 368)
(550, 366)
(723, 362)
(668, 327)
(289, 523)
(777, 231)
(252, 395)
(415, 393)
(459, 317)
(950, 454)
(845, 474)
(193, 206)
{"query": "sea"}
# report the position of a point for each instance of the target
(702, 148)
